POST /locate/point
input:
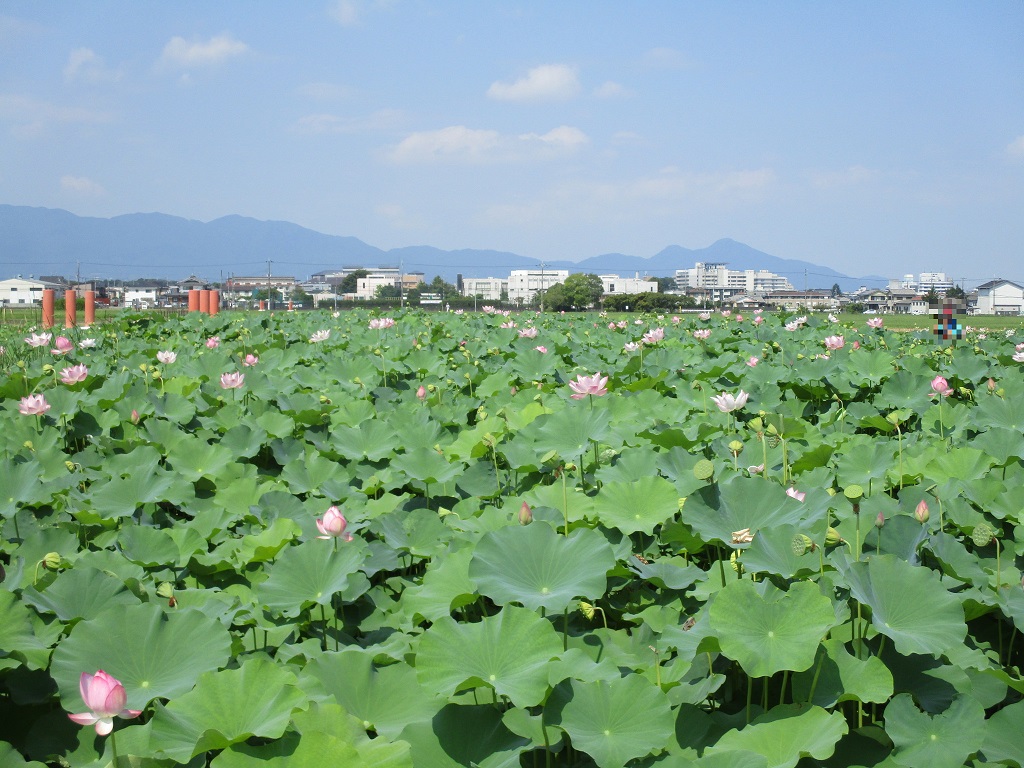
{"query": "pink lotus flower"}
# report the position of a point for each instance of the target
(612, 326)
(87, 343)
(213, 342)
(758, 320)
(321, 335)
(105, 697)
(726, 313)
(875, 322)
(588, 385)
(856, 345)
(525, 514)
(793, 493)
(166, 357)
(62, 346)
(728, 403)
(676, 319)
(941, 387)
(528, 333)
(704, 315)
(421, 393)
(792, 326)
(654, 335)
(250, 360)
(1018, 357)
(507, 324)
(332, 525)
(753, 361)
(542, 349)
(921, 512)
(233, 380)
(33, 405)
(739, 318)
(380, 323)
(135, 416)
(631, 346)
(702, 334)
(756, 469)
(834, 342)
(39, 339)
(74, 374)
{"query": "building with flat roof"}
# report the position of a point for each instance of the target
(524, 284)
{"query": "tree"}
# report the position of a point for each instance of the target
(439, 286)
(350, 282)
(299, 296)
(932, 297)
(836, 291)
(956, 292)
(581, 290)
(665, 284)
(387, 292)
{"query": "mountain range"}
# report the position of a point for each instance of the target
(47, 241)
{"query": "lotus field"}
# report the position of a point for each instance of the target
(256, 541)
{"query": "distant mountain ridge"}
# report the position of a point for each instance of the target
(50, 241)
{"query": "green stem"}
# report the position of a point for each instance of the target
(782, 693)
(750, 693)
(814, 680)
(113, 748)
(565, 504)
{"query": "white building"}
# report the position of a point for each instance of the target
(21, 291)
(1000, 297)
(722, 282)
(933, 281)
(613, 284)
(487, 288)
(142, 296)
(523, 284)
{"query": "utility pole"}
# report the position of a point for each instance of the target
(401, 284)
(542, 265)
(270, 296)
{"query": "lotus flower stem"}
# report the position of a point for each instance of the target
(814, 680)
(113, 748)
(323, 622)
(565, 505)
(785, 682)
(750, 692)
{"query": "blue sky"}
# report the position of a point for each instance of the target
(869, 137)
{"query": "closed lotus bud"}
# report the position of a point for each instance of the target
(52, 560)
(991, 385)
(525, 514)
(880, 520)
(832, 537)
(135, 416)
(921, 512)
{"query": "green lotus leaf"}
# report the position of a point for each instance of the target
(508, 652)
(787, 733)
(717, 511)
(372, 440)
(20, 486)
(539, 568)
(616, 721)
(385, 699)
(418, 531)
(572, 431)
(80, 593)
(426, 465)
(1003, 731)
(310, 574)
(195, 458)
(908, 604)
(641, 505)
(460, 736)
(767, 633)
(310, 473)
(150, 547)
(226, 708)
(153, 653)
(16, 633)
(446, 586)
(843, 677)
(945, 740)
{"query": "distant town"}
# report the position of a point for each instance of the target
(705, 284)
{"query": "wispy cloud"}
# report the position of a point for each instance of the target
(610, 90)
(323, 123)
(1015, 148)
(85, 66)
(468, 145)
(325, 91)
(345, 12)
(81, 185)
(30, 117)
(549, 82)
(179, 52)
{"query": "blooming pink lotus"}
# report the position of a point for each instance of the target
(856, 345)
(739, 318)
(704, 315)
(631, 346)
(250, 360)
(834, 342)
(528, 333)
(166, 357)
(380, 323)
(612, 326)
(233, 380)
(62, 345)
(941, 387)
(74, 374)
(875, 322)
(507, 324)
(38, 339)
(105, 697)
(321, 335)
(621, 325)
(588, 385)
(752, 361)
(542, 349)
(1018, 357)
(332, 525)
(676, 319)
(702, 334)
(728, 403)
(213, 342)
(654, 335)
(33, 405)
(793, 493)
(758, 320)
(792, 326)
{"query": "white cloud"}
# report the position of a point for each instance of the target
(1016, 148)
(30, 117)
(345, 12)
(85, 66)
(322, 123)
(550, 82)
(325, 91)
(81, 185)
(461, 144)
(610, 90)
(182, 53)
(855, 174)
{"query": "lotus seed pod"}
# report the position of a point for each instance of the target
(47, 368)
(832, 538)
(853, 492)
(165, 590)
(703, 470)
(587, 610)
(921, 512)
(801, 543)
(52, 560)
(982, 534)
(831, 491)
(735, 446)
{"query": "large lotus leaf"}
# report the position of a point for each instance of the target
(615, 721)
(677, 465)
(1005, 412)
(420, 531)
(641, 505)
(445, 586)
(461, 736)
(842, 677)
(195, 458)
(908, 604)
(372, 440)
(771, 632)
(20, 486)
(11, 758)
(940, 741)
(310, 574)
(385, 699)
(571, 431)
(150, 547)
(1003, 743)
(567, 500)
(80, 593)
(772, 551)
(308, 474)
(539, 568)
(226, 708)
(999, 443)
(16, 634)
(426, 465)
(864, 463)
(787, 733)
(508, 652)
(145, 482)
(155, 654)
(717, 511)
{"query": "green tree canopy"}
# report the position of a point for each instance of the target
(351, 281)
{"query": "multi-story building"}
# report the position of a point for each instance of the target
(386, 277)
(258, 283)
(722, 283)
(613, 284)
(933, 281)
(486, 288)
(523, 284)
(24, 291)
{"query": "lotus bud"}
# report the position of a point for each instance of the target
(525, 514)
(52, 560)
(921, 512)
(991, 385)
(832, 538)
(143, 367)
(70, 466)
(431, 388)
(880, 520)
(135, 416)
